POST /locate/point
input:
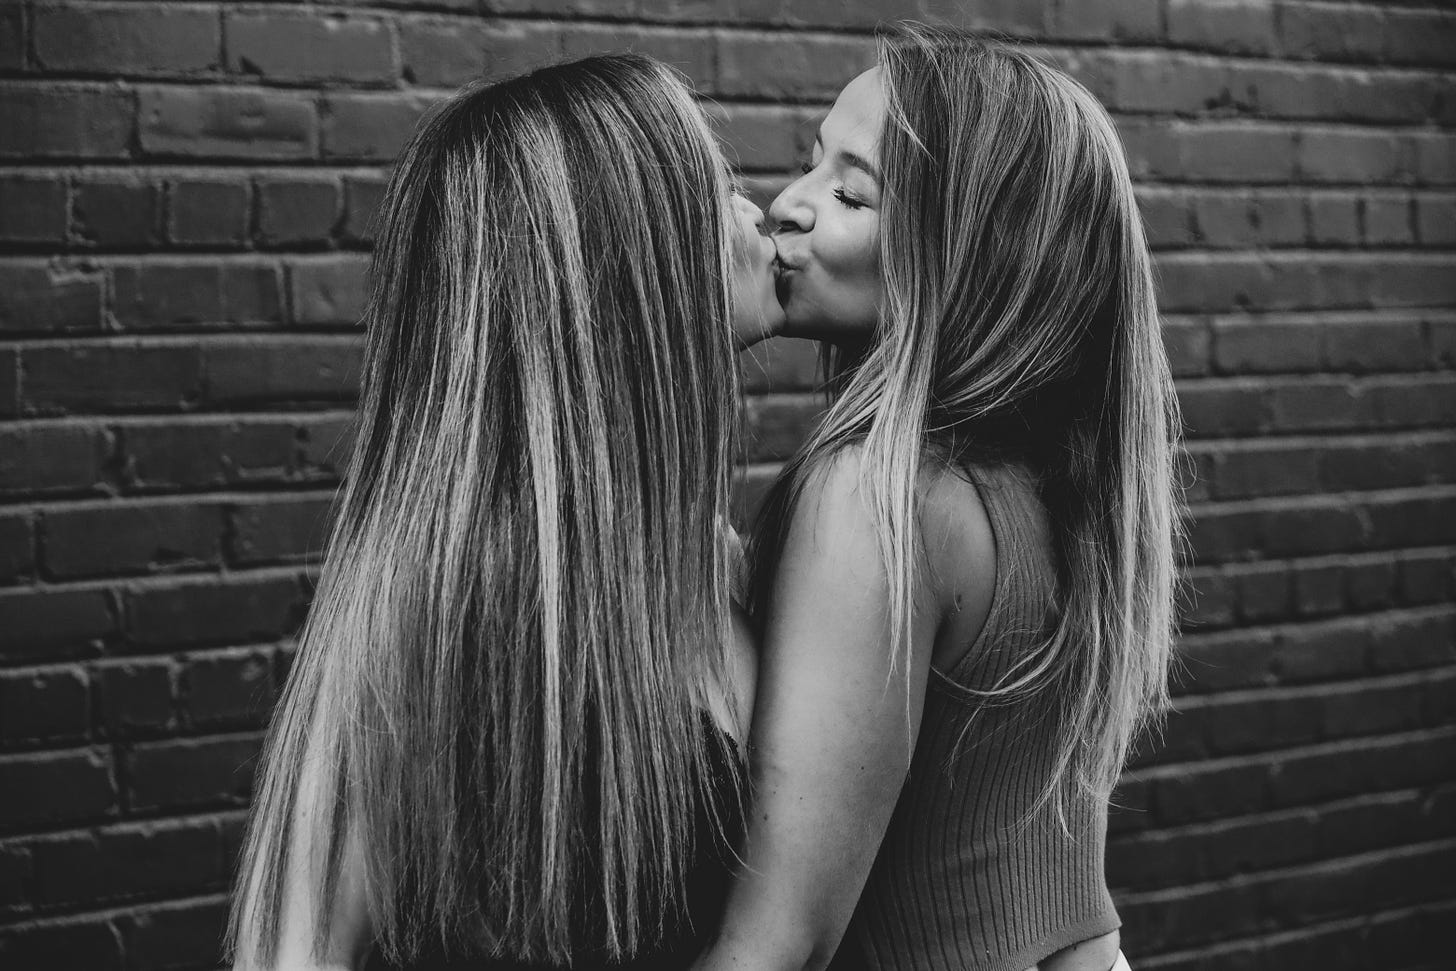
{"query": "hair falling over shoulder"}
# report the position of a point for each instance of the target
(1020, 322)
(498, 686)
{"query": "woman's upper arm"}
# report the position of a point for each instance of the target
(833, 731)
(350, 930)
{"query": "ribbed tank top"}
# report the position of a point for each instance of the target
(964, 880)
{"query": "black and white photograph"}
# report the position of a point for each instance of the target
(727, 485)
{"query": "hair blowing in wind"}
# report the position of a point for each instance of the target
(498, 683)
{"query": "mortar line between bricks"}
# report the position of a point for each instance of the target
(1421, 611)
(134, 822)
(696, 26)
(1299, 869)
(1272, 693)
(1176, 769)
(132, 421)
(1204, 826)
(1276, 503)
(1233, 945)
(234, 735)
(311, 91)
(234, 575)
(1277, 440)
(108, 913)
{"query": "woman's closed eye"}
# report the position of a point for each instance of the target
(849, 201)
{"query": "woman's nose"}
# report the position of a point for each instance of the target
(789, 211)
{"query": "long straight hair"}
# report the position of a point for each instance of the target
(501, 681)
(1020, 323)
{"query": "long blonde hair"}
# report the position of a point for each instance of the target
(523, 596)
(1020, 323)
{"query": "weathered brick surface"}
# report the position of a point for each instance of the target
(187, 196)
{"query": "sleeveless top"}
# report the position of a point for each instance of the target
(707, 886)
(966, 878)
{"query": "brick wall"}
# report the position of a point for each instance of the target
(185, 192)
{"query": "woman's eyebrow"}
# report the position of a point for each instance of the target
(851, 159)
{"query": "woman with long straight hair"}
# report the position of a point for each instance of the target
(511, 731)
(964, 581)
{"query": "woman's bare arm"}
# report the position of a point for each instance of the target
(833, 731)
(350, 931)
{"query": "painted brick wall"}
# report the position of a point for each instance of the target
(185, 193)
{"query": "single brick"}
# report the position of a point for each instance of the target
(1236, 151)
(208, 212)
(65, 122)
(175, 935)
(363, 197)
(1319, 589)
(1188, 344)
(1389, 220)
(117, 538)
(1247, 471)
(12, 37)
(1228, 26)
(1352, 155)
(286, 46)
(153, 858)
(212, 122)
(1092, 20)
(203, 452)
(1334, 218)
(32, 209)
(45, 624)
(781, 66)
(60, 787)
(1365, 345)
(51, 704)
(330, 291)
(122, 212)
(9, 382)
(281, 529)
(39, 459)
(1335, 32)
(764, 137)
(1435, 157)
(211, 610)
(452, 53)
(1243, 220)
(1244, 346)
(155, 295)
(91, 942)
(371, 127)
(325, 445)
(127, 39)
(1421, 37)
(1436, 220)
(17, 546)
(49, 296)
(135, 697)
(307, 369)
(110, 377)
(1166, 217)
(1219, 408)
(189, 772)
(293, 210)
(233, 689)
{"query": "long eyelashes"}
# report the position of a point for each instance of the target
(842, 197)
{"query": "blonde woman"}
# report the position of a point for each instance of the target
(512, 731)
(964, 580)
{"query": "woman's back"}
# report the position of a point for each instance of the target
(974, 873)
